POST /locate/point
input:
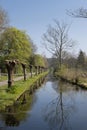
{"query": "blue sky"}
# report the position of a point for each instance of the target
(34, 16)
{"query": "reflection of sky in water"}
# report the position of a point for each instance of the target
(56, 106)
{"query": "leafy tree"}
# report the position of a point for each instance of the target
(37, 60)
(15, 44)
(56, 40)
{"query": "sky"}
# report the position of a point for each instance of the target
(34, 16)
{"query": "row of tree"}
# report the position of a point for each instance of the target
(17, 45)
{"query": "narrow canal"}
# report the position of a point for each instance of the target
(55, 105)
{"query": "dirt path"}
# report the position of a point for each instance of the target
(2, 83)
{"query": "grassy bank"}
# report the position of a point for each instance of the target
(8, 96)
(77, 77)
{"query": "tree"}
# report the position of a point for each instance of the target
(37, 60)
(15, 44)
(56, 40)
(69, 60)
(3, 19)
(81, 59)
(80, 13)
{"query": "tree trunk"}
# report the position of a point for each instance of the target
(24, 71)
(10, 69)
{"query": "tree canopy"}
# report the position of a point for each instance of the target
(15, 44)
(37, 60)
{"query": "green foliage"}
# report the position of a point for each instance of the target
(15, 44)
(37, 60)
(18, 69)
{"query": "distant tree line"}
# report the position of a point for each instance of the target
(70, 61)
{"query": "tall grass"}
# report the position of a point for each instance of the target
(72, 74)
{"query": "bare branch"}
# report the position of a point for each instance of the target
(56, 39)
(79, 13)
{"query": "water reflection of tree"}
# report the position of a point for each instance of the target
(59, 110)
(13, 115)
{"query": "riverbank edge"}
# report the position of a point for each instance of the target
(20, 86)
(31, 82)
(75, 82)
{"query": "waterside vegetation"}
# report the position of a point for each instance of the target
(9, 95)
(72, 76)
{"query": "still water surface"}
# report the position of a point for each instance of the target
(55, 105)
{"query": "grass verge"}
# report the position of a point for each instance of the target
(8, 96)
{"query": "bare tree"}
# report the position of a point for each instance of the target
(3, 19)
(56, 40)
(79, 13)
(58, 112)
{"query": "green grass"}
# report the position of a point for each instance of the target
(2, 78)
(9, 95)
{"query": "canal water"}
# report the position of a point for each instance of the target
(55, 105)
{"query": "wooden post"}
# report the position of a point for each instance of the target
(10, 65)
(24, 70)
